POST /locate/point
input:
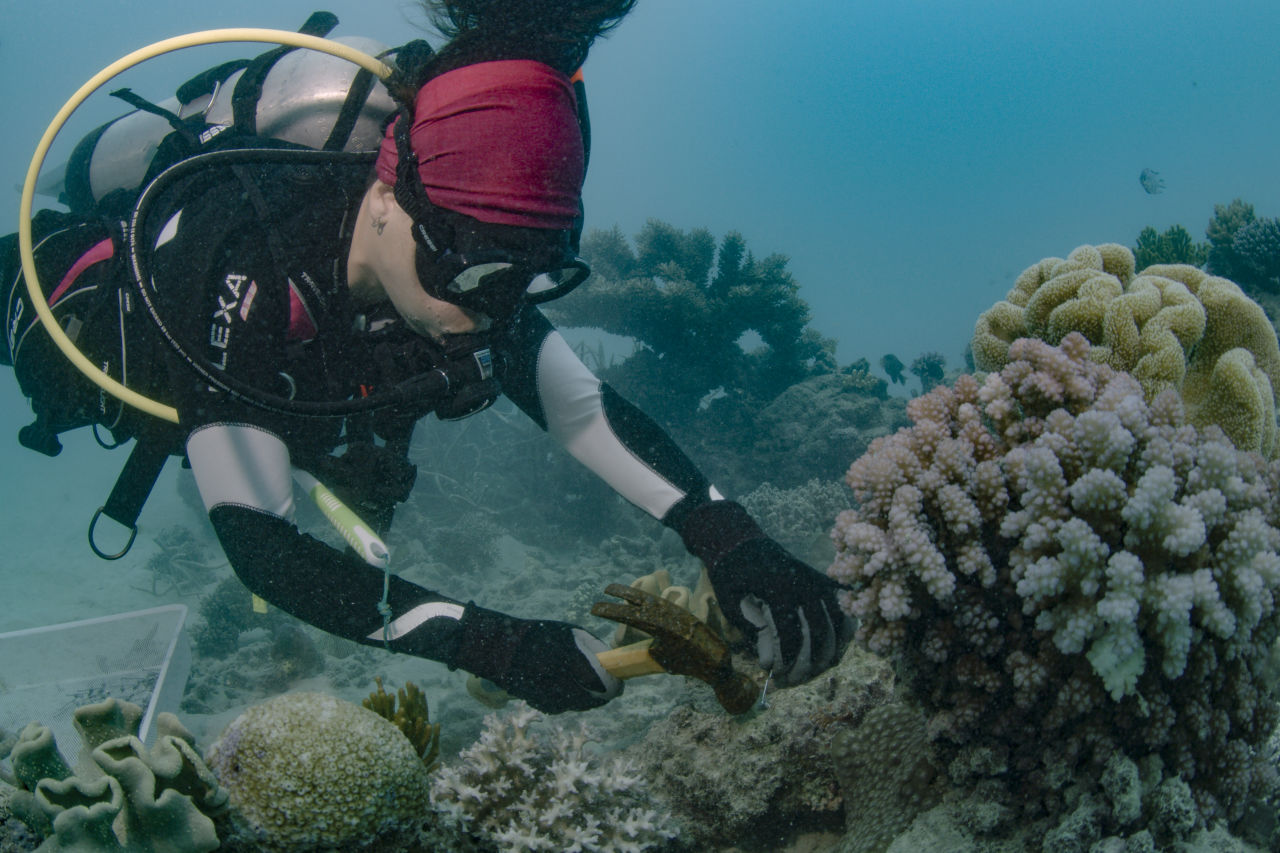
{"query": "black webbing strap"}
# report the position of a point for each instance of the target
(208, 81)
(584, 120)
(244, 101)
(248, 91)
(357, 95)
(269, 215)
(584, 127)
(430, 229)
(140, 103)
(131, 491)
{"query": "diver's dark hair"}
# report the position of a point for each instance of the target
(556, 32)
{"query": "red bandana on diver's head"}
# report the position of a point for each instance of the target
(497, 141)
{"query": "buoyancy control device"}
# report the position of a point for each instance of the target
(284, 98)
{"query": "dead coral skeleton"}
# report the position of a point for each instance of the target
(182, 565)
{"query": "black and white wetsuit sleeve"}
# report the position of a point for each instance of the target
(238, 314)
(599, 428)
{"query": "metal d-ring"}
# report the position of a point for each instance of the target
(133, 534)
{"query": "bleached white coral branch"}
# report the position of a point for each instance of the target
(524, 791)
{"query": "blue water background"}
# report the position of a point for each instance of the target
(910, 157)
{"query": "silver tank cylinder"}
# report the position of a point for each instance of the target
(304, 92)
(302, 96)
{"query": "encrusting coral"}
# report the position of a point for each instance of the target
(800, 518)
(308, 771)
(522, 792)
(1171, 326)
(763, 779)
(886, 775)
(811, 428)
(1062, 570)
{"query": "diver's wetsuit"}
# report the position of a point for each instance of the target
(256, 293)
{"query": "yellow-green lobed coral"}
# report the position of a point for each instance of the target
(1170, 326)
(308, 771)
(121, 796)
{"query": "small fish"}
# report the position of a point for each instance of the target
(1151, 181)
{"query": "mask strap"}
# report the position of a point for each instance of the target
(410, 194)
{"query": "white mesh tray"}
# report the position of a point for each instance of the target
(46, 673)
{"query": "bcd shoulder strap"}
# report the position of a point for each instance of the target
(244, 102)
(152, 447)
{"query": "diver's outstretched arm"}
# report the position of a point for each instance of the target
(245, 481)
(785, 606)
(602, 430)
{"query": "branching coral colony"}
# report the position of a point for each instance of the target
(410, 716)
(522, 791)
(689, 304)
(1062, 570)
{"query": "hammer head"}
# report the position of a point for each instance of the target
(682, 644)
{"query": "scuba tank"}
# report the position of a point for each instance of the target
(304, 98)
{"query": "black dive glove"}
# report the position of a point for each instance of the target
(787, 607)
(551, 665)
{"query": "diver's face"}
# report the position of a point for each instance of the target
(425, 314)
(383, 264)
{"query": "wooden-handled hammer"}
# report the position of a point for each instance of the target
(682, 644)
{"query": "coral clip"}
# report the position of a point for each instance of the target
(764, 692)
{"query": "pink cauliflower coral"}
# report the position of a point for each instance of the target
(1060, 570)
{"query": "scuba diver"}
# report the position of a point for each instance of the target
(331, 283)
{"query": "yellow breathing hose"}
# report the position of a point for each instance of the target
(111, 386)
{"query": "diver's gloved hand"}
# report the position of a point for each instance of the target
(786, 606)
(551, 665)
